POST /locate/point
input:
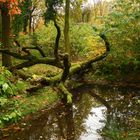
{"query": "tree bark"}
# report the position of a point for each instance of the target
(6, 59)
(0, 30)
(30, 23)
(57, 40)
(25, 24)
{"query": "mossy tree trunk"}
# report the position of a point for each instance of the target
(0, 26)
(6, 59)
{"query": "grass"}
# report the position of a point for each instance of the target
(14, 107)
(22, 105)
(42, 99)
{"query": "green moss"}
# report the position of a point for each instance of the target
(41, 70)
(43, 98)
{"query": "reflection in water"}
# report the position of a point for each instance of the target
(93, 123)
(82, 119)
(123, 120)
(65, 122)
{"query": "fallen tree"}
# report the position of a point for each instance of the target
(59, 60)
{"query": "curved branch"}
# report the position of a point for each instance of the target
(25, 49)
(41, 51)
(32, 60)
(76, 69)
(45, 60)
(17, 55)
(68, 71)
(107, 44)
(57, 39)
(85, 65)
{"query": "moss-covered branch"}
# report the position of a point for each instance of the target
(17, 55)
(45, 60)
(86, 65)
(38, 48)
(26, 49)
(68, 71)
(65, 92)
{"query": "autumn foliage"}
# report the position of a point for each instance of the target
(12, 6)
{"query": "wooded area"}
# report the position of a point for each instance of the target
(55, 43)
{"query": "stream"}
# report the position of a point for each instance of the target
(89, 117)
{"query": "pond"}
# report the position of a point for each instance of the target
(97, 113)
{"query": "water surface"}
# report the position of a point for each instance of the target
(84, 119)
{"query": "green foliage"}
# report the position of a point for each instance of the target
(76, 11)
(15, 104)
(6, 86)
(21, 86)
(84, 41)
(106, 70)
(52, 9)
(9, 112)
(17, 24)
(25, 40)
(13, 116)
(22, 20)
(123, 29)
(3, 101)
(9, 85)
(45, 37)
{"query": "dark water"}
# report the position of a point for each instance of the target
(93, 111)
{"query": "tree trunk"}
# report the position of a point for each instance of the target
(30, 23)
(101, 11)
(57, 40)
(0, 31)
(25, 24)
(0, 27)
(6, 59)
(66, 27)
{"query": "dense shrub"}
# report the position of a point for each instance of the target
(83, 40)
(122, 26)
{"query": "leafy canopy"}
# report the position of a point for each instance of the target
(52, 9)
(12, 6)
